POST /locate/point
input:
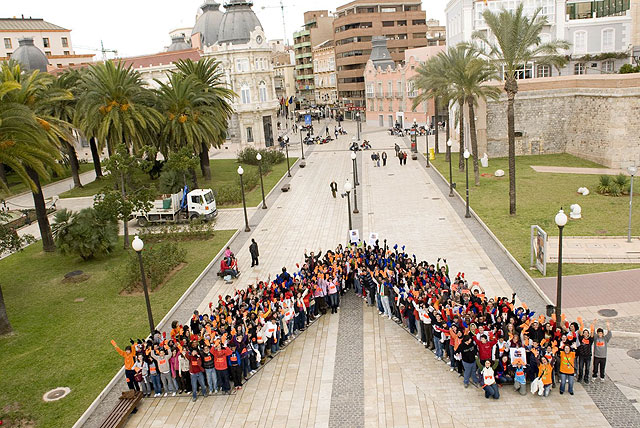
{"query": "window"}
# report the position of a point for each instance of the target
(262, 89)
(245, 94)
(580, 42)
(608, 40)
(411, 91)
(390, 88)
(332, 80)
(242, 65)
(332, 64)
(388, 23)
(543, 70)
(579, 68)
(380, 88)
(402, 23)
(45, 42)
(47, 53)
(249, 135)
(66, 52)
(7, 43)
(65, 42)
(390, 105)
(607, 66)
(387, 9)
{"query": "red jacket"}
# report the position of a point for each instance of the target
(220, 358)
(484, 349)
(195, 365)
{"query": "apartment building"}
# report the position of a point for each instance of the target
(324, 71)
(600, 32)
(53, 40)
(402, 23)
(318, 27)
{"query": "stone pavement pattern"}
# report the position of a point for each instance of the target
(594, 249)
(403, 384)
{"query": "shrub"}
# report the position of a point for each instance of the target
(195, 229)
(228, 195)
(84, 233)
(158, 260)
(628, 68)
(269, 157)
(622, 181)
(603, 184)
(170, 181)
(613, 186)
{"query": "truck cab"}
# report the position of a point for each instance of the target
(201, 203)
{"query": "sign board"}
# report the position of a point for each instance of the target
(373, 237)
(354, 236)
(539, 249)
(517, 354)
(307, 119)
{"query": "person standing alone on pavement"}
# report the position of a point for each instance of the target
(253, 249)
(384, 158)
(334, 188)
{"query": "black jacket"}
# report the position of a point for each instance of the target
(253, 249)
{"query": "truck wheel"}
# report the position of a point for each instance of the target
(142, 221)
(193, 216)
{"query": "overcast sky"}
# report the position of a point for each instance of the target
(137, 27)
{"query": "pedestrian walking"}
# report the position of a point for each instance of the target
(397, 147)
(334, 188)
(253, 249)
(378, 160)
(384, 158)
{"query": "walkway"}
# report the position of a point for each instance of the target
(594, 249)
(577, 170)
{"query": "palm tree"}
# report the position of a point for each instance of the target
(25, 119)
(515, 43)
(116, 107)
(209, 73)
(469, 75)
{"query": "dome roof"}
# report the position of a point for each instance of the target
(178, 44)
(208, 23)
(29, 56)
(380, 55)
(238, 22)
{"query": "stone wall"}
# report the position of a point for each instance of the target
(594, 118)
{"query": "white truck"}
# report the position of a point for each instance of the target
(178, 207)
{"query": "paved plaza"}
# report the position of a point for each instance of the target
(356, 369)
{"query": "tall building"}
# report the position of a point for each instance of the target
(402, 22)
(53, 40)
(318, 27)
(601, 33)
(324, 71)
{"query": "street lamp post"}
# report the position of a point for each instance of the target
(347, 190)
(633, 170)
(138, 245)
(358, 125)
(466, 160)
(301, 144)
(355, 169)
(259, 158)
(355, 188)
(449, 144)
(244, 204)
(286, 147)
(561, 220)
(426, 135)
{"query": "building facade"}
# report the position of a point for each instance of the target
(53, 40)
(324, 71)
(600, 32)
(318, 27)
(390, 90)
(402, 23)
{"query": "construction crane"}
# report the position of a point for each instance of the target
(284, 27)
(102, 49)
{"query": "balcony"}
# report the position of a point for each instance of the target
(388, 95)
(412, 94)
(304, 55)
(301, 45)
(303, 66)
(398, 94)
(379, 95)
(370, 95)
(301, 33)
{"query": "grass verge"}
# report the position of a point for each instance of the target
(16, 186)
(60, 342)
(539, 197)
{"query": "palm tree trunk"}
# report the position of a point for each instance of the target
(194, 176)
(95, 154)
(474, 140)
(205, 165)
(48, 244)
(461, 148)
(3, 175)
(447, 131)
(511, 87)
(5, 325)
(125, 221)
(73, 161)
(435, 107)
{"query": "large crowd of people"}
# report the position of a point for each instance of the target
(490, 341)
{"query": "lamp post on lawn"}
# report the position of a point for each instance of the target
(466, 160)
(449, 144)
(137, 246)
(259, 158)
(355, 169)
(347, 190)
(244, 204)
(286, 147)
(301, 144)
(561, 220)
(633, 170)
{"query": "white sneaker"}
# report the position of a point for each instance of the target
(157, 395)
(166, 393)
(173, 394)
(451, 369)
(601, 379)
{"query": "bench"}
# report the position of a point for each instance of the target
(126, 405)
(286, 187)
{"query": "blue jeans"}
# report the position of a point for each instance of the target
(212, 380)
(564, 379)
(196, 379)
(469, 371)
(453, 362)
(357, 286)
(491, 391)
(157, 385)
(223, 379)
(438, 344)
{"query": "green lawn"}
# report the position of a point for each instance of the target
(59, 342)
(223, 173)
(539, 197)
(16, 186)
